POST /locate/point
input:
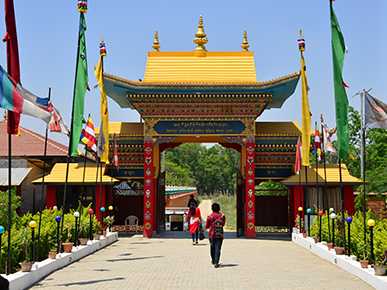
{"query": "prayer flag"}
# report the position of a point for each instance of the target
(12, 60)
(104, 107)
(298, 156)
(57, 123)
(327, 134)
(317, 144)
(305, 112)
(375, 114)
(88, 135)
(115, 155)
(341, 100)
(81, 81)
(101, 142)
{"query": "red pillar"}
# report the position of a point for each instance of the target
(250, 187)
(148, 187)
(51, 196)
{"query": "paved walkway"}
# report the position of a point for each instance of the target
(205, 208)
(171, 262)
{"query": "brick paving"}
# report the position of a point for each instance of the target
(171, 262)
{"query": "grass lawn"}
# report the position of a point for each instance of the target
(227, 207)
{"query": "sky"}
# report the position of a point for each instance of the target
(48, 36)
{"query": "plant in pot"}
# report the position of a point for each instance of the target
(97, 228)
(381, 266)
(109, 220)
(84, 231)
(362, 247)
(26, 241)
(299, 226)
(68, 245)
(52, 253)
(339, 249)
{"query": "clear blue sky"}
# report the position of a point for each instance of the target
(48, 33)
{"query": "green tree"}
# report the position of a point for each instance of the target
(15, 204)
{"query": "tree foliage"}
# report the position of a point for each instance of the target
(211, 170)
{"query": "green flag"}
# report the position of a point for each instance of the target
(81, 81)
(341, 100)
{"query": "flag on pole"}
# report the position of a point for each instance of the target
(81, 81)
(57, 123)
(327, 134)
(12, 61)
(104, 107)
(317, 144)
(305, 112)
(115, 155)
(88, 135)
(341, 100)
(298, 156)
(101, 142)
(375, 114)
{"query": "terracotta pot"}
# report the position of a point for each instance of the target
(104, 233)
(330, 246)
(316, 240)
(380, 270)
(339, 250)
(83, 241)
(304, 235)
(96, 236)
(364, 264)
(26, 266)
(52, 255)
(67, 247)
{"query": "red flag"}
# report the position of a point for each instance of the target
(115, 155)
(12, 60)
(317, 145)
(298, 156)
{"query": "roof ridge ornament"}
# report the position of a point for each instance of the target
(156, 44)
(245, 45)
(200, 39)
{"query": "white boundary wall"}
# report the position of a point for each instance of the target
(21, 280)
(349, 264)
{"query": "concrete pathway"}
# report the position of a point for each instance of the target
(205, 208)
(171, 262)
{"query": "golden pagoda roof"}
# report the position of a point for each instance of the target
(277, 128)
(58, 174)
(124, 128)
(332, 176)
(215, 67)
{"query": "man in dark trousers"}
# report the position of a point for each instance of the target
(215, 223)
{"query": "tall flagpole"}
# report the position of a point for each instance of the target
(9, 199)
(363, 163)
(44, 171)
(342, 205)
(325, 181)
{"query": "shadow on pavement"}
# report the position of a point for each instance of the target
(90, 282)
(132, 259)
(274, 236)
(228, 265)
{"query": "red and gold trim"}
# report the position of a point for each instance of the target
(250, 187)
(148, 186)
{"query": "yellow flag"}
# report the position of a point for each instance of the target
(305, 113)
(104, 109)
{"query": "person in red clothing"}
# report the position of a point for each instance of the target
(215, 222)
(194, 218)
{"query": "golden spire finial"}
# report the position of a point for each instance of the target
(200, 39)
(245, 45)
(156, 44)
(5, 115)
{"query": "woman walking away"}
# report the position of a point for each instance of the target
(194, 218)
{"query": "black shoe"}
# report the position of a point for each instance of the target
(212, 262)
(216, 265)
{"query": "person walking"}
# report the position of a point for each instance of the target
(215, 222)
(194, 218)
(192, 201)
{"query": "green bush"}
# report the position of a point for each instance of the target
(21, 234)
(357, 233)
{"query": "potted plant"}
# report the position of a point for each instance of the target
(339, 249)
(97, 228)
(109, 220)
(298, 225)
(362, 247)
(52, 253)
(380, 267)
(68, 245)
(84, 232)
(25, 240)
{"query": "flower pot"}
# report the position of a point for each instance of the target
(104, 233)
(364, 264)
(316, 240)
(304, 235)
(26, 266)
(67, 247)
(52, 255)
(330, 246)
(380, 270)
(339, 250)
(83, 241)
(96, 236)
